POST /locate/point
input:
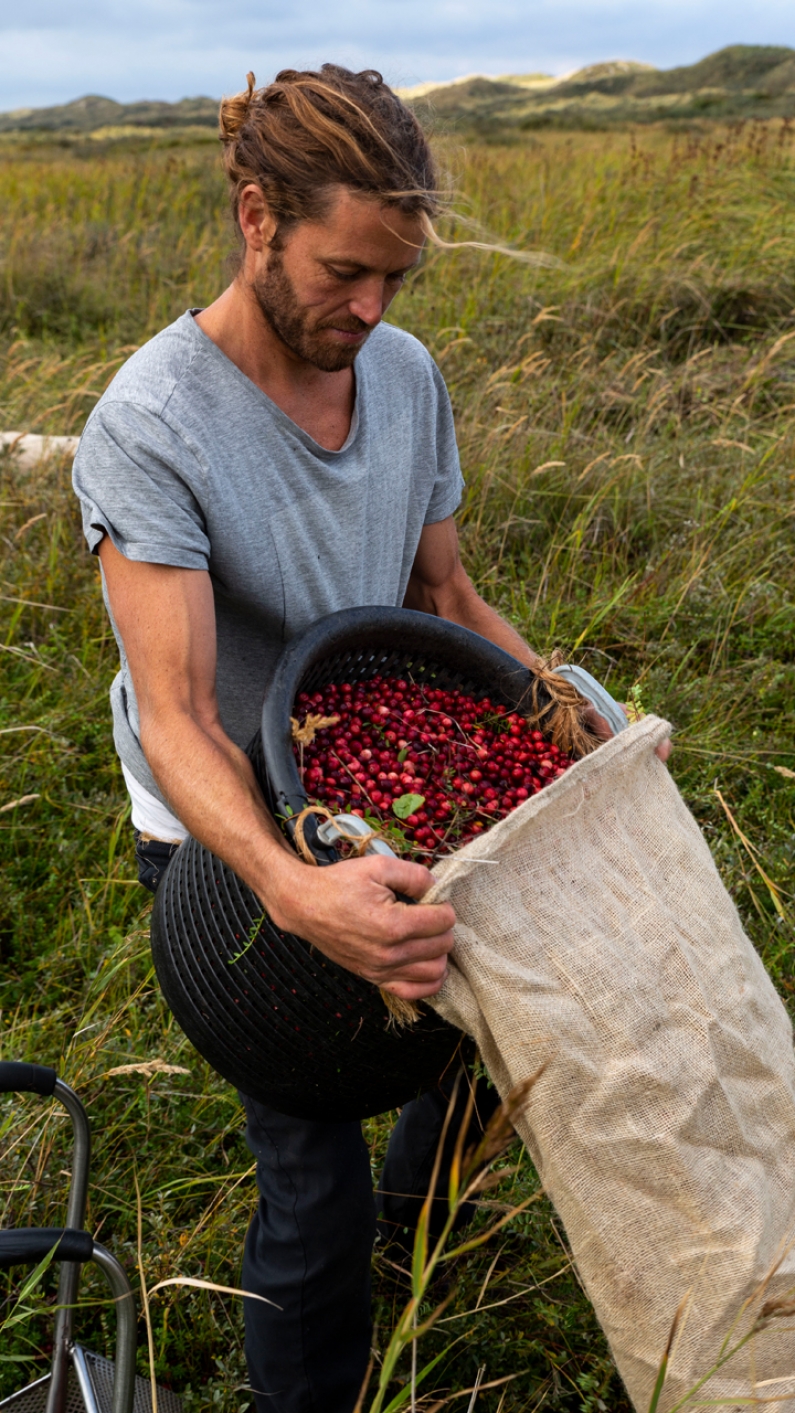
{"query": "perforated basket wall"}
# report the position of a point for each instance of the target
(273, 1016)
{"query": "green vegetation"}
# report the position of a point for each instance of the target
(625, 418)
(744, 81)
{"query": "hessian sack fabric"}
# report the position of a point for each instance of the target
(594, 934)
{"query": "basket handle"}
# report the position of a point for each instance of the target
(597, 695)
(349, 828)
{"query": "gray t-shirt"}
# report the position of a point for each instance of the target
(185, 461)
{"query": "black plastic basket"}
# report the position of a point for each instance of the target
(271, 1014)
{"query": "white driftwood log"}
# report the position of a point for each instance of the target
(29, 447)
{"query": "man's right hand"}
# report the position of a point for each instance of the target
(349, 910)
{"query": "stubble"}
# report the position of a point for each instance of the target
(291, 322)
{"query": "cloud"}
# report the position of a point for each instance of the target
(173, 48)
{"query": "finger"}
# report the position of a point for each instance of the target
(396, 957)
(400, 876)
(429, 973)
(426, 925)
(664, 749)
(415, 990)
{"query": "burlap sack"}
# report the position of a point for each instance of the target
(601, 940)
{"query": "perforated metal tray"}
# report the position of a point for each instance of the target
(33, 1399)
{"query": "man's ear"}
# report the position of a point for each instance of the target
(257, 222)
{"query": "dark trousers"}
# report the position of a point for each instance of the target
(152, 857)
(310, 1242)
(309, 1246)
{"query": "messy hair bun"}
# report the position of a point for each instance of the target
(233, 113)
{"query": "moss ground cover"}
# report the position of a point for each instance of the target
(625, 421)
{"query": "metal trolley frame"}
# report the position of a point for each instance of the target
(79, 1381)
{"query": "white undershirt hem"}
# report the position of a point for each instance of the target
(149, 815)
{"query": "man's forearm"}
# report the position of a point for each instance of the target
(210, 785)
(459, 602)
(474, 613)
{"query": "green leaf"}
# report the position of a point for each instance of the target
(20, 1311)
(658, 1386)
(405, 805)
(402, 754)
(419, 1256)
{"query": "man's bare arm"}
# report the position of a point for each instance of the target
(439, 584)
(166, 619)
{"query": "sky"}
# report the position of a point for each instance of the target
(56, 50)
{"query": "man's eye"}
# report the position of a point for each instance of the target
(348, 276)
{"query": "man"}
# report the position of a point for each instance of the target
(262, 462)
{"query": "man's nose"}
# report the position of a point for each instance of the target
(369, 302)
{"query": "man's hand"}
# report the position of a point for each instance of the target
(351, 913)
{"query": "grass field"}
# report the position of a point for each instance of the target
(625, 418)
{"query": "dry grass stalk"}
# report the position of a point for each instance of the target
(469, 1175)
(147, 1068)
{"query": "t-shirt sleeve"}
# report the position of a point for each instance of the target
(135, 478)
(449, 484)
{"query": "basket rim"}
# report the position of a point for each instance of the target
(451, 645)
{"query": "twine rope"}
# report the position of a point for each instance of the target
(563, 713)
(359, 842)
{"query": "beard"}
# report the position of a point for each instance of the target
(293, 324)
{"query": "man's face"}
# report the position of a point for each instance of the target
(328, 284)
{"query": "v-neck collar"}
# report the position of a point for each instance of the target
(210, 349)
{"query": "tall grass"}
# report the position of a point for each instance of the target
(625, 420)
